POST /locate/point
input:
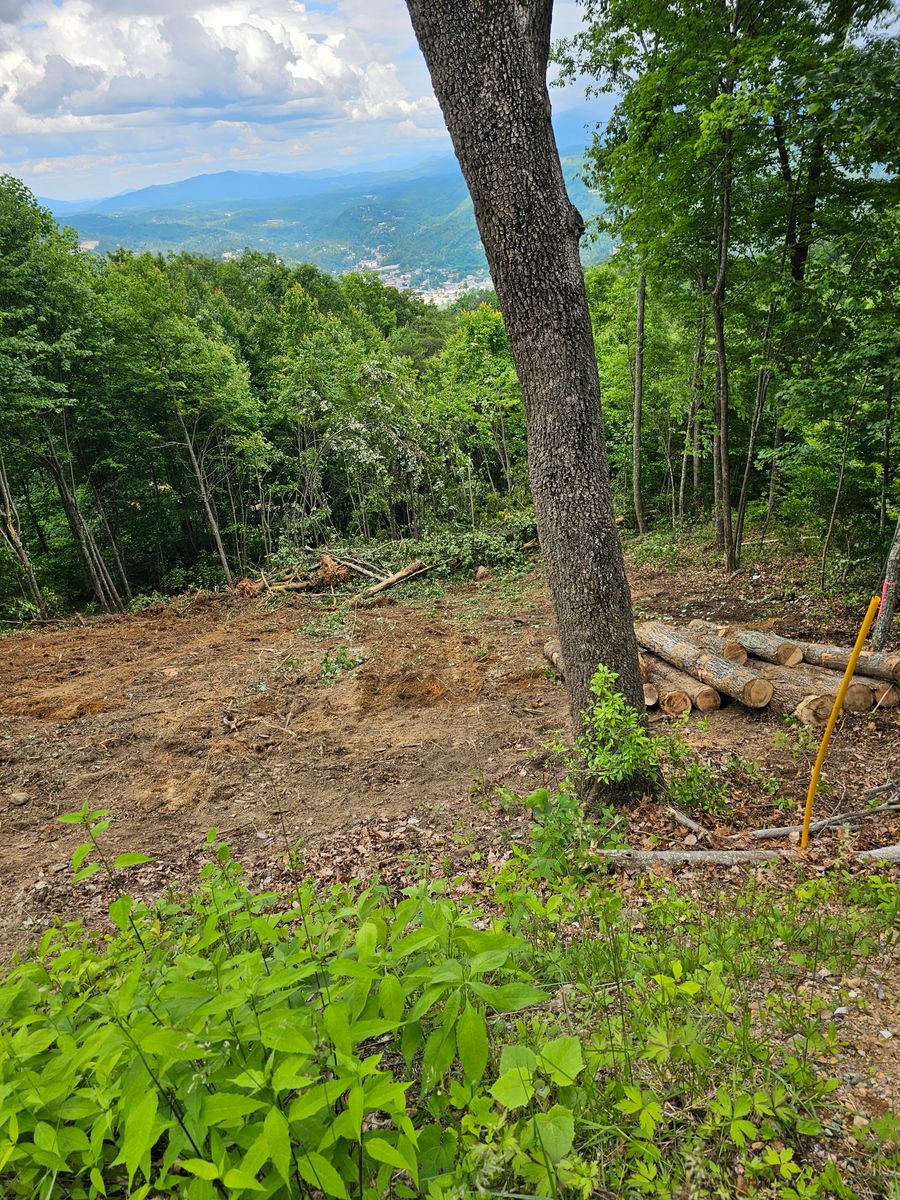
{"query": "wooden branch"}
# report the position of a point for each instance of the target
(687, 822)
(720, 858)
(729, 858)
(825, 823)
(816, 681)
(736, 681)
(883, 854)
(414, 568)
(714, 643)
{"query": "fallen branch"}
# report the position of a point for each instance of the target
(414, 568)
(719, 858)
(883, 854)
(825, 823)
(687, 822)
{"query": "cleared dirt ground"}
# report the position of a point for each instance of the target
(216, 711)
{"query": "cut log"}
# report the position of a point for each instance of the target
(553, 655)
(870, 662)
(414, 568)
(682, 652)
(703, 697)
(673, 701)
(858, 698)
(757, 642)
(721, 858)
(712, 643)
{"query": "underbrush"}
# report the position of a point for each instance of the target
(544, 1040)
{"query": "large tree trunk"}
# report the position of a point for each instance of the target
(637, 495)
(488, 64)
(722, 382)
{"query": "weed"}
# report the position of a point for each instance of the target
(343, 659)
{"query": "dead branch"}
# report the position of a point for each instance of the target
(825, 823)
(414, 568)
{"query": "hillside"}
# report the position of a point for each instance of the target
(416, 226)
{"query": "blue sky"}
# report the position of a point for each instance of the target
(98, 96)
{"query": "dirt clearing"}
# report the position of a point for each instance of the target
(372, 737)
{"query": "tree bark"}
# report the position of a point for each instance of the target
(888, 593)
(886, 475)
(488, 64)
(637, 496)
(211, 521)
(12, 531)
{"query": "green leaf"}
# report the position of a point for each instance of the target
(382, 1151)
(236, 1178)
(562, 1060)
(517, 1056)
(392, 998)
(138, 1137)
(472, 1043)
(97, 1181)
(119, 912)
(131, 859)
(514, 1088)
(509, 997)
(80, 854)
(554, 1132)
(319, 1172)
(288, 1031)
(199, 1167)
(227, 1108)
(278, 1142)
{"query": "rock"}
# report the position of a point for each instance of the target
(17, 799)
(483, 572)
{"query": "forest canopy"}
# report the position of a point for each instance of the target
(178, 421)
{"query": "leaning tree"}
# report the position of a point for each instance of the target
(488, 64)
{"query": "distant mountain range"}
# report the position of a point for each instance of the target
(414, 225)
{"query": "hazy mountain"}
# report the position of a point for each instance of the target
(413, 223)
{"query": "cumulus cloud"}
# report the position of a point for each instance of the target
(121, 93)
(134, 83)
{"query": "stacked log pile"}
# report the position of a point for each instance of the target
(693, 668)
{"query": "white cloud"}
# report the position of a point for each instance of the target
(97, 96)
(122, 85)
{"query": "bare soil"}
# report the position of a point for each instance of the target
(215, 711)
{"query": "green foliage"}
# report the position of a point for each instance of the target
(351, 1044)
(335, 662)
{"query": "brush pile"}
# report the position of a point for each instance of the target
(697, 666)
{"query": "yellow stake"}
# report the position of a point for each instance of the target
(874, 605)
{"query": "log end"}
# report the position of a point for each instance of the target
(789, 655)
(707, 699)
(733, 651)
(651, 695)
(814, 710)
(858, 698)
(675, 702)
(757, 692)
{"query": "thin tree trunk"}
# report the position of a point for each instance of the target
(886, 473)
(488, 64)
(888, 594)
(763, 379)
(12, 530)
(637, 497)
(112, 539)
(722, 390)
(837, 494)
(211, 521)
